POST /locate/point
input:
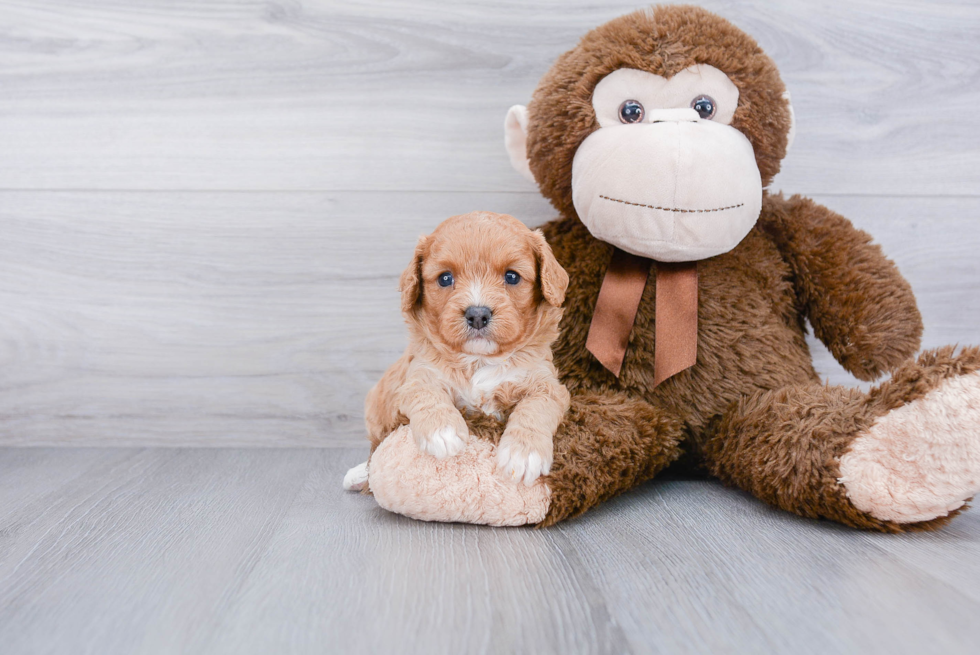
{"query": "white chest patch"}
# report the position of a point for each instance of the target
(478, 395)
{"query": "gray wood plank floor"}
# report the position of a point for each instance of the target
(259, 551)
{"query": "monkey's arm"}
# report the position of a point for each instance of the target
(860, 306)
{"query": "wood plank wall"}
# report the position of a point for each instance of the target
(205, 204)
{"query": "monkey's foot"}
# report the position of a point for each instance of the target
(919, 461)
(464, 488)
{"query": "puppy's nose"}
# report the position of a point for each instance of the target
(477, 317)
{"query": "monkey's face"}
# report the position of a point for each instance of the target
(666, 176)
(659, 130)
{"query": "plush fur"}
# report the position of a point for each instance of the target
(663, 41)
(407, 481)
(791, 446)
(752, 410)
(921, 460)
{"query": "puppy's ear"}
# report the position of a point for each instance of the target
(551, 276)
(410, 283)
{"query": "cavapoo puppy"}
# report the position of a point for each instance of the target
(482, 299)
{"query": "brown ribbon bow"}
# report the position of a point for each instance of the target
(676, 332)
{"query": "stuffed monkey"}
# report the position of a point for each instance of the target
(690, 288)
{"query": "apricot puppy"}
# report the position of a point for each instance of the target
(482, 299)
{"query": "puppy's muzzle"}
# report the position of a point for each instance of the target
(477, 317)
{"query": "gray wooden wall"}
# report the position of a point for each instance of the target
(205, 205)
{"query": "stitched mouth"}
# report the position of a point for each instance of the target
(673, 209)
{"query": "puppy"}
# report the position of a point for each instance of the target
(482, 299)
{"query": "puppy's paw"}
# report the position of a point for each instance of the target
(444, 442)
(523, 455)
(441, 434)
(356, 478)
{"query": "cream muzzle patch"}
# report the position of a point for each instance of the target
(657, 179)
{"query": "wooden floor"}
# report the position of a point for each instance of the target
(126, 550)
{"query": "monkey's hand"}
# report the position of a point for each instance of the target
(860, 306)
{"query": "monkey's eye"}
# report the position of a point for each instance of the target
(631, 111)
(510, 277)
(705, 106)
(446, 279)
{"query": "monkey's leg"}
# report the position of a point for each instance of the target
(905, 456)
(607, 444)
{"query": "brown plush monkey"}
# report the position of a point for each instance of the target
(683, 332)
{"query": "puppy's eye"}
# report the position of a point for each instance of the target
(510, 277)
(705, 106)
(446, 279)
(631, 111)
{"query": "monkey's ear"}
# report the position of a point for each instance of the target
(551, 276)
(515, 140)
(791, 134)
(410, 283)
